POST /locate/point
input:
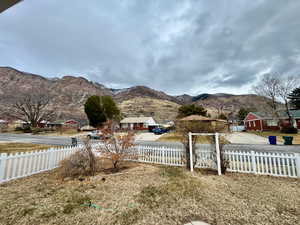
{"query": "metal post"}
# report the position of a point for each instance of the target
(218, 154)
(3, 161)
(191, 152)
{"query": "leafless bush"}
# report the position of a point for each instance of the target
(117, 148)
(81, 163)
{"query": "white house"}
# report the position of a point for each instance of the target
(138, 123)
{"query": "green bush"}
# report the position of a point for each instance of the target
(289, 130)
(26, 129)
(18, 129)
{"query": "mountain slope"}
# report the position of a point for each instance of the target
(69, 94)
(142, 91)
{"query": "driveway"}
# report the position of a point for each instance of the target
(147, 137)
(246, 138)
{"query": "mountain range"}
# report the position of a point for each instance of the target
(69, 94)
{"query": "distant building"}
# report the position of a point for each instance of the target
(259, 121)
(138, 123)
(3, 125)
(19, 123)
(65, 124)
(87, 128)
(223, 125)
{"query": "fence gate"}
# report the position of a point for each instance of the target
(207, 157)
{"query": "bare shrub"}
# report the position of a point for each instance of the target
(81, 163)
(117, 147)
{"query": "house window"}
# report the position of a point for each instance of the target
(271, 123)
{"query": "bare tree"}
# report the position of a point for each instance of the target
(219, 106)
(277, 90)
(269, 87)
(117, 147)
(31, 106)
(285, 87)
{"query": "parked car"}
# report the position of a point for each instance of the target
(159, 130)
(95, 134)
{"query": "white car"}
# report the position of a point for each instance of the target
(96, 134)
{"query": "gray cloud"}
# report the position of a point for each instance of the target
(190, 46)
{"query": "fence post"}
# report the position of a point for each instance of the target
(253, 162)
(191, 152)
(3, 160)
(297, 163)
(51, 158)
(218, 154)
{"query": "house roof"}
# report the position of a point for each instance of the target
(197, 118)
(88, 127)
(295, 113)
(282, 114)
(141, 119)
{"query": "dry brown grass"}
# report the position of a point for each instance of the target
(65, 132)
(279, 136)
(21, 147)
(146, 195)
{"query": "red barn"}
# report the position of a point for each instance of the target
(258, 121)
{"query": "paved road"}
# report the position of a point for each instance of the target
(58, 140)
(35, 139)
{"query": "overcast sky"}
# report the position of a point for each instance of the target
(192, 46)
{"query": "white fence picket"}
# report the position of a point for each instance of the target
(266, 163)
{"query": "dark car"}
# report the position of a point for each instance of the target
(159, 130)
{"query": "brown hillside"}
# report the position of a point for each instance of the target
(69, 94)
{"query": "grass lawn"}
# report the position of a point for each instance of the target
(20, 147)
(150, 195)
(279, 136)
(66, 132)
(175, 137)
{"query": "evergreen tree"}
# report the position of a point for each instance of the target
(187, 110)
(99, 109)
(222, 116)
(242, 113)
(295, 98)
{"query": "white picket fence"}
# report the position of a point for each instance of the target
(265, 163)
(268, 163)
(24, 164)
